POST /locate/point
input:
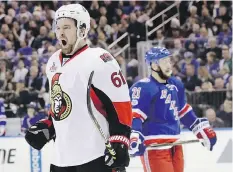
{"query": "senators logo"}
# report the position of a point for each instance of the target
(61, 104)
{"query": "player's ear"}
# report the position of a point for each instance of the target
(154, 66)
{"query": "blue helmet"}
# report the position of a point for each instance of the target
(155, 54)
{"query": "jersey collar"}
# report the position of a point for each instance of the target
(154, 80)
(79, 51)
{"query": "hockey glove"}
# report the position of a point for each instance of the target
(40, 133)
(201, 128)
(120, 145)
(136, 144)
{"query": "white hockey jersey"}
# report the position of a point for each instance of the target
(77, 139)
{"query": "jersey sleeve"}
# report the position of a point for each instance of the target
(140, 99)
(184, 107)
(2, 115)
(24, 125)
(186, 114)
(110, 95)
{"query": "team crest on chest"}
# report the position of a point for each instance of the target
(61, 104)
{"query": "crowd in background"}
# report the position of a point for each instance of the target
(200, 41)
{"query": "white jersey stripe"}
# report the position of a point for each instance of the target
(146, 159)
(144, 116)
(162, 137)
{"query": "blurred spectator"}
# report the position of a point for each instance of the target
(30, 38)
(32, 81)
(229, 89)
(205, 18)
(20, 72)
(43, 36)
(216, 28)
(225, 36)
(204, 75)
(213, 47)
(192, 19)
(114, 34)
(24, 50)
(212, 64)
(225, 74)
(215, 122)
(191, 46)
(195, 32)
(159, 38)
(3, 70)
(142, 16)
(223, 14)
(226, 59)
(226, 113)
(44, 91)
(189, 59)
(10, 52)
(2, 118)
(23, 96)
(177, 47)
(176, 72)
(219, 83)
(94, 10)
(104, 27)
(31, 118)
(23, 12)
(191, 80)
(205, 86)
(135, 34)
(18, 33)
(99, 41)
(119, 15)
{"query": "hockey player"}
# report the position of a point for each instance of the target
(2, 118)
(78, 145)
(31, 118)
(159, 105)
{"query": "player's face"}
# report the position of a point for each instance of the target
(165, 65)
(57, 104)
(66, 33)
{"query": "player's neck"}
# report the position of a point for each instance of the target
(156, 76)
(81, 44)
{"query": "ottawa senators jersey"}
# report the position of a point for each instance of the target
(77, 139)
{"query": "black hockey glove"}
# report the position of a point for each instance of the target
(120, 144)
(40, 133)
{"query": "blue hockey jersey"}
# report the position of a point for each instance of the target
(2, 119)
(160, 107)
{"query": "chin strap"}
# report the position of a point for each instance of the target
(160, 74)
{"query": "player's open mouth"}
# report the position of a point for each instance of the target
(63, 42)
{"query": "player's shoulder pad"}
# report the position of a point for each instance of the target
(102, 54)
(55, 54)
(144, 84)
(178, 83)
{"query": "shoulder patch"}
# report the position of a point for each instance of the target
(106, 57)
(145, 80)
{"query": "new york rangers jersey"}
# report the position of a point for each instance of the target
(2, 119)
(78, 141)
(159, 106)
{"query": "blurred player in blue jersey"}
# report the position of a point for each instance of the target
(159, 105)
(2, 118)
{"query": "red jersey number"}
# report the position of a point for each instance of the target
(118, 79)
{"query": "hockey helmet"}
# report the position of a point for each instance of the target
(155, 54)
(79, 14)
